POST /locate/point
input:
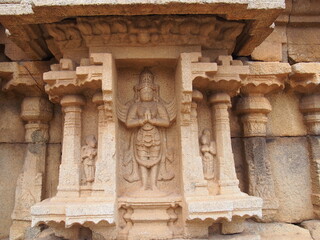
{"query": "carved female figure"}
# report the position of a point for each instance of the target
(88, 156)
(147, 115)
(208, 152)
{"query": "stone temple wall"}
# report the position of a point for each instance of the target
(252, 79)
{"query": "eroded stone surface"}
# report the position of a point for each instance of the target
(314, 227)
(139, 145)
(291, 171)
(278, 231)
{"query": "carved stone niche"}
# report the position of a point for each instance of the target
(147, 178)
(148, 149)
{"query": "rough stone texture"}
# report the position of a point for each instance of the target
(278, 231)
(291, 172)
(11, 50)
(241, 167)
(11, 162)
(100, 61)
(303, 44)
(55, 129)
(285, 109)
(11, 130)
(314, 227)
(271, 49)
(261, 182)
(241, 236)
(52, 169)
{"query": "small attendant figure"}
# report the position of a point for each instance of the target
(208, 153)
(88, 157)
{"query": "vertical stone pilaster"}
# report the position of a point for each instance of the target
(305, 79)
(226, 173)
(105, 165)
(310, 107)
(69, 179)
(201, 186)
(254, 109)
(37, 112)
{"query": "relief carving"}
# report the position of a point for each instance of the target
(208, 154)
(141, 31)
(88, 158)
(148, 116)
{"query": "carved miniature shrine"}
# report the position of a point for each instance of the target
(147, 112)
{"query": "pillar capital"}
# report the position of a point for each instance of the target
(305, 78)
(98, 99)
(36, 109)
(72, 100)
(265, 77)
(254, 110)
(217, 98)
(310, 107)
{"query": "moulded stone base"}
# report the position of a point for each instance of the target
(72, 211)
(149, 218)
(223, 207)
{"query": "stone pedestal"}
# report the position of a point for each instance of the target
(149, 218)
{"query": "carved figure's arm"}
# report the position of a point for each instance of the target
(132, 118)
(212, 148)
(162, 119)
(84, 154)
(204, 148)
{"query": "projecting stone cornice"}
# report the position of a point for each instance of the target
(305, 78)
(224, 76)
(24, 78)
(253, 19)
(265, 77)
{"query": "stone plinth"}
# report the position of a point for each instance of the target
(149, 218)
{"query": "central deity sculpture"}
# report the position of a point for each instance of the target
(148, 116)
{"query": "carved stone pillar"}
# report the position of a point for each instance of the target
(105, 166)
(254, 110)
(254, 107)
(225, 200)
(69, 179)
(226, 173)
(92, 204)
(37, 112)
(310, 107)
(201, 186)
(305, 79)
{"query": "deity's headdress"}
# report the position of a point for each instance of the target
(146, 79)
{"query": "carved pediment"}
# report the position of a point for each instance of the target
(208, 31)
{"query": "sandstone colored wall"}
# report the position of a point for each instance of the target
(12, 152)
(286, 141)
